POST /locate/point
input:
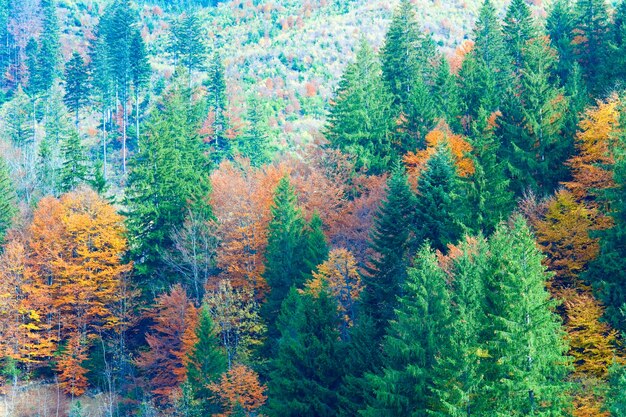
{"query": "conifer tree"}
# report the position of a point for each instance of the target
(315, 246)
(169, 174)
(361, 120)
(254, 143)
(447, 95)
(19, 115)
(526, 363)
(8, 200)
(306, 371)
(413, 343)
(74, 170)
(592, 34)
(488, 188)
(518, 29)
(284, 264)
(440, 205)
(616, 397)
(206, 362)
(186, 43)
(560, 27)
(218, 107)
(390, 241)
(76, 85)
(617, 45)
(49, 48)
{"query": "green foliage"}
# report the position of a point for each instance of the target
(8, 200)
(315, 246)
(592, 28)
(306, 371)
(560, 27)
(616, 397)
(441, 203)
(75, 163)
(254, 143)
(218, 108)
(207, 362)
(414, 342)
(76, 84)
(168, 174)
(390, 241)
(518, 29)
(186, 42)
(361, 121)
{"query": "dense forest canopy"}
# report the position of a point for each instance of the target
(312, 208)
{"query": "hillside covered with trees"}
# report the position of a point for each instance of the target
(312, 208)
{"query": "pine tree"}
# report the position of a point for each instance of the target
(218, 107)
(519, 28)
(169, 174)
(441, 204)
(306, 371)
(206, 362)
(8, 200)
(284, 266)
(390, 241)
(361, 120)
(76, 85)
(315, 246)
(488, 188)
(186, 43)
(591, 42)
(413, 343)
(74, 170)
(254, 143)
(560, 28)
(526, 360)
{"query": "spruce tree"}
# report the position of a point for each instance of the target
(218, 106)
(592, 29)
(441, 203)
(306, 371)
(361, 120)
(169, 174)
(390, 241)
(186, 43)
(560, 27)
(616, 398)
(284, 264)
(206, 363)
(418, 118)
(74, 171)
(49, 48)
(413, 344)
(315, 246)
(526, 364)
(254, 143)
(617, 46)
(447, 95)
(8, 200)
(76, 85)
(488, 187)
(518, 28)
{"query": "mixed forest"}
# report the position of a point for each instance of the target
(312, 208)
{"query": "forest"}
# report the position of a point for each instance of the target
(315, 208)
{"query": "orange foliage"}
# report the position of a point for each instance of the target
(72, 375)
(415, 162)
(239, 391)
(461, 51)
(171, 338)
(341, 276)
(595, 142)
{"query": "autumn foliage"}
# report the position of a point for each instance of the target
(240, 392)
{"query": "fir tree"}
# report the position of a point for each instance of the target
(315, 246)
(254, 142)
(206, 362)
(76, 85)
(284, 265)
(526, 363)
(560, 27)
(218, 107)
(8, 200)
(617, 45)
(74, 170)
(306, 372)
(20, 117)
(592, 31)
(361, 120)
(186, 43)
(413, 343)
(440, 203)
(447, 95)
(518, 29)
(390, 241)
(616, 397)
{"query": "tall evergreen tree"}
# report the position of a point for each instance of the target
(560, 27)
(447, 95)
(49, 48)
(218, 107)
(361, 120)
(169, 173)
(254, 143)
(8, 200)
(526, 364)
(74, 170)
(617, 45)
(315, 246)
(306, 372)
(186, 43)
(76, 85)
(20, 116)
(519, 28)
(390, 241)
(284, 266)
(592, 32)
(206, 362)
(413, 343)
(441, 203)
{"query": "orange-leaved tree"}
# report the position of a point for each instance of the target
(240, 392)
(171, 337)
